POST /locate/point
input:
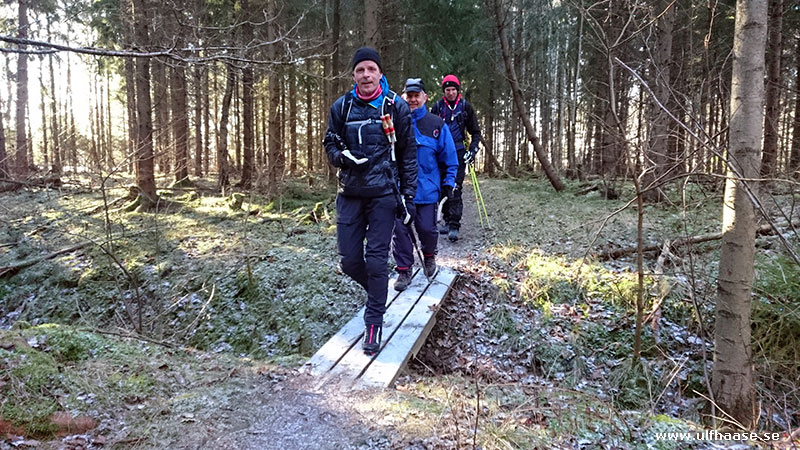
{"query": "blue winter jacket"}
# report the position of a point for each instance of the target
(434, 147)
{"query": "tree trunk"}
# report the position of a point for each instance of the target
(794, 156)
(109, 141)
(309, 124)
(488, 140)
(292, 121)
(206, 120)
(237, 124)
(145, 178)
(22, 92)
(372, 22)
(222, 144)
(572, 156)
(161, 104)
(198, 121)
(43, 107)
(732, 378)
(552, 176)
(100, 121)
(510, 153)
(56, 167)
(130, 103)
(73, 131)
(180, 122)
(262, 147)
(657, 153)
(769, 157)
(94, 151)
(4, 172)
(247, 125)
(275, 169)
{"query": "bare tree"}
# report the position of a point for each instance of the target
(22, 92)
(3, 153)
(248, 136)
(292, 122)
(794, 156)
(372, 22)
(161, 106)
(57, 149)
(769, 157)
(732, 377)
(309, 124)
(145, 178)
(551, 174)
(657, 153)
(222, 143)
(180, 122)
(198, 121)
(276, 164)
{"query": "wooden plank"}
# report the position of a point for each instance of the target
(354, 361)
(383, 371)
(334, 350)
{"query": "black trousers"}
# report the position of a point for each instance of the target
(451, 212)
(364, 231)
(424, 222)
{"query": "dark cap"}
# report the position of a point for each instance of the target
(415, 85)
(367, 54)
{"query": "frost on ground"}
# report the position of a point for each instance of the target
(532, 348)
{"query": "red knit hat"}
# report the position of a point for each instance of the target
(451, 81)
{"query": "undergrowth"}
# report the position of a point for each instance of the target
(555, 323)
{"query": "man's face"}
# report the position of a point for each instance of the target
(367, 76)
(415, 99)
(451, 93)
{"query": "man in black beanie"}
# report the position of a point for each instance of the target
(371, 141)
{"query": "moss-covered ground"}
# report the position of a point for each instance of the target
(166, 318)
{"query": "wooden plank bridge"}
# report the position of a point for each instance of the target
(409, 318)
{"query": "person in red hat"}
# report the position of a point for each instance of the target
(459, 115)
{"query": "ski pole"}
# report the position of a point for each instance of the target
(478, 196)
(412, 233)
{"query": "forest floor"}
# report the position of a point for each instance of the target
(187, 329)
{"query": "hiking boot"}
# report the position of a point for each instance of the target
(429, 265)
(403, 280)
(372, 339)
(444, 229)
(453, 234)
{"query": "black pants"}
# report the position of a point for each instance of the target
(370, 219)
(424, 222)
(451, 212)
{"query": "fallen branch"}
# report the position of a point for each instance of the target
(615, 253)
(50, 181)
(8, 271)
(128, 335)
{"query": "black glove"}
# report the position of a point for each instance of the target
(447, 190)
(469, 157)
(349, 159)
(405, 209)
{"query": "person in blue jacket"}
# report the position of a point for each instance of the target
(377, 177)
(435, 148)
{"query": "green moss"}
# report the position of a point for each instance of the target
(31, 375)
(69, 345)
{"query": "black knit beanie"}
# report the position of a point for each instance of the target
(367, 54)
